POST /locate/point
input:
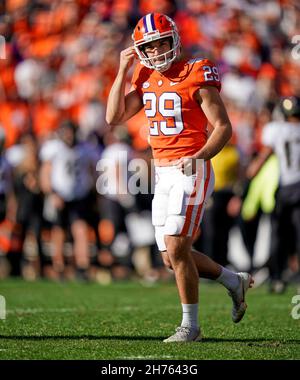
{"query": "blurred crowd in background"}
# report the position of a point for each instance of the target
(58, 63)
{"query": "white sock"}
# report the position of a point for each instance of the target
(229, 279)
(190, 315)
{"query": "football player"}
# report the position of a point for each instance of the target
(179, 97)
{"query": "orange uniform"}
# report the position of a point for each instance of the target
(178, 126)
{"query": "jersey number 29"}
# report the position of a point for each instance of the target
(168, 105)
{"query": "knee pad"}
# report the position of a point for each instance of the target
(173, 226)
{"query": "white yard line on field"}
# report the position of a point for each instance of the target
(65, 310)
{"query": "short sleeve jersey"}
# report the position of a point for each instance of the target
(178, 126)
(284, 138)
(71, 175)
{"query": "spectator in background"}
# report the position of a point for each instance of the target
(8, 207)
(24, 159)
(116, 203)
(7, 201)
(258, 200)
(67, 180)
(283, 138)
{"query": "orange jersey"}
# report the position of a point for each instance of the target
(178, 126)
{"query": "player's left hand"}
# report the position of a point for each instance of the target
(188, 165)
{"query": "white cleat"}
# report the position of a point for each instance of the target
(238, 296)
(185, 334)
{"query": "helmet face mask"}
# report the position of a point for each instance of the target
(153, 27)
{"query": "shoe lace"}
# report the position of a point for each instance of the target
(183, 331)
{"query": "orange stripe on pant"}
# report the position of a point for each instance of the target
(207, 179)
(191, 206)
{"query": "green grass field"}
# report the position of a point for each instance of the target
(128, 320)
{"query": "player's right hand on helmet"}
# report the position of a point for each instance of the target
(127, 57)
